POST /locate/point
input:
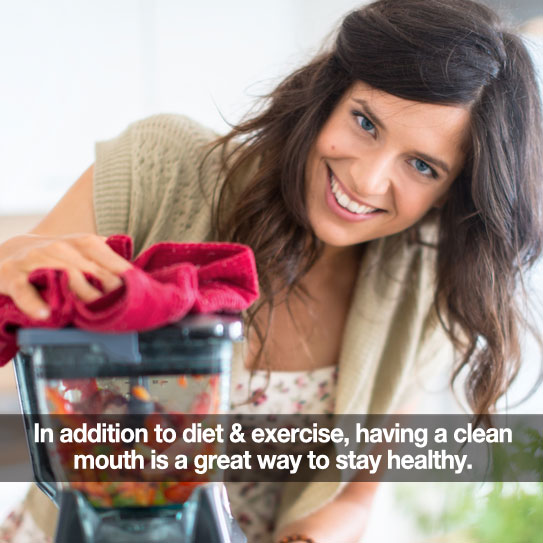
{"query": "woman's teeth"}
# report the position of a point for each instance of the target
(344, 201)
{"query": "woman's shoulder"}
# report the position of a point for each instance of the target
(171, 124)
(160, 172)
(156, 145)
(172, 129)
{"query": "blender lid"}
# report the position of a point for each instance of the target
(196, 342)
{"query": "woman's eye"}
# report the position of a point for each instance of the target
(364, 122)
(423, 168)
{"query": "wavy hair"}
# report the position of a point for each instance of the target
(490, 228)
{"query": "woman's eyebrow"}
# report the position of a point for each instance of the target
(377, 122)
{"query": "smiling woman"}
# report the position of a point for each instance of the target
(390, 191)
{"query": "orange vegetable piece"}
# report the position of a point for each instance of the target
(182, 381)
(141, 393)
(60, 405)
(180, 492)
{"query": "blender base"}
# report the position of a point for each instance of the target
(204, 518)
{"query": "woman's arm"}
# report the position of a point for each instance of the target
(65, 239)
(343, 520)
(73, 213)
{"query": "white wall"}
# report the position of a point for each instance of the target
(73, 72)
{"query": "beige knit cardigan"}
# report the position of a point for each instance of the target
(146, 184)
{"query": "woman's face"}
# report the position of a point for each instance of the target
(380, 163)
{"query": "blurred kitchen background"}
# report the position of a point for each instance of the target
(74, 72)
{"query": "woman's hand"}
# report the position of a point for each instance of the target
(75, 253)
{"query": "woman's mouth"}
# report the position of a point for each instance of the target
(355, 209)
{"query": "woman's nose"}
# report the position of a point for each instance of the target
(372, 174)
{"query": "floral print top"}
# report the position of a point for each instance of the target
(254, 505)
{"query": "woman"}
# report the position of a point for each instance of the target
(390, 192)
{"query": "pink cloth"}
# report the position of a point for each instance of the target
(167, 281)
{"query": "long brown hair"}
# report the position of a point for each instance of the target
(433, 51)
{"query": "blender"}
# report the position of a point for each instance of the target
(180, 370)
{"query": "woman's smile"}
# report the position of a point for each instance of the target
(344, 204)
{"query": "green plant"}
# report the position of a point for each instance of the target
(490, 513)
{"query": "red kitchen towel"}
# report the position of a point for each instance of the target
(166, 282)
